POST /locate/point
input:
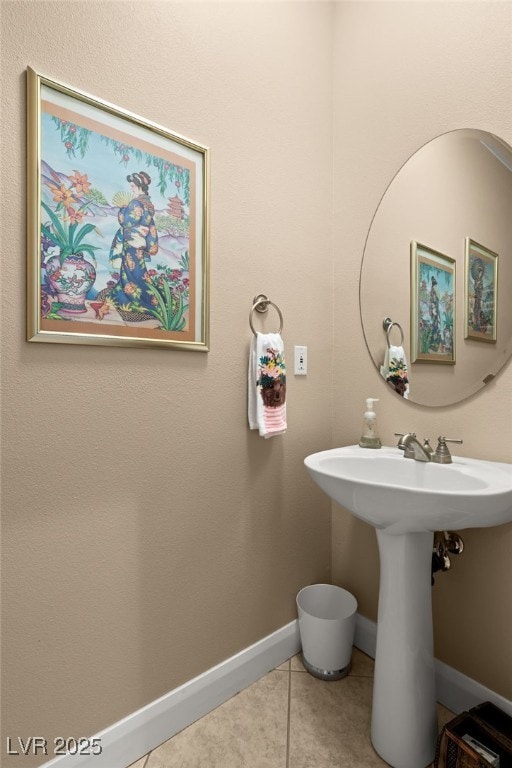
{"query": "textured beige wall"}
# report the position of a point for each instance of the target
(147, 533)
(143, 543)
(404, 73)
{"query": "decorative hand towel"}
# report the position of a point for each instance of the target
(267, 385)
(395, 370)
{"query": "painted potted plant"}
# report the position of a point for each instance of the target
(69, 273)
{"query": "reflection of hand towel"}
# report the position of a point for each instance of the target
(395, 371)
(267, 385)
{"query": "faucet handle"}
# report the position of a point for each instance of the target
(427, 447)
(442, 454)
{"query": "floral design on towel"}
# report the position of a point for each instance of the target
(397, 376)
(272, 378)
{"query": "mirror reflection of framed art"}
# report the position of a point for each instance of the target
(481, 293)
(432, 305)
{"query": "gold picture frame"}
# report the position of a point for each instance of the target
(432, 306)
(117, 225)
(480, 293)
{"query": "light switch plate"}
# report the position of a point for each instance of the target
(300, 361)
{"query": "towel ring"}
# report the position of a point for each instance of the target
(388, 324)
(261, 303)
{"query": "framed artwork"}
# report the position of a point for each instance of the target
(481, 292)
(117, 225)
(432, 306)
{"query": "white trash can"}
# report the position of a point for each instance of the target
(327, 622)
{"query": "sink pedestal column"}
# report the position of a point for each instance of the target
(404, 714)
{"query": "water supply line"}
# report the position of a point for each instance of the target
(446, 543)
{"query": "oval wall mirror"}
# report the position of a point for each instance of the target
(437, 266)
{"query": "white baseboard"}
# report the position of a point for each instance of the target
(455, 691)
(459, 693)
(366, 635)
(129, 739)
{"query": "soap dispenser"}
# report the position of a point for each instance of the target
(370, 437)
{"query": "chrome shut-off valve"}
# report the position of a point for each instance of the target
(446, 543)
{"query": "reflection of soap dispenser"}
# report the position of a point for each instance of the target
(370, 437)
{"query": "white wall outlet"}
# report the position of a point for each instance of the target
(300, 361)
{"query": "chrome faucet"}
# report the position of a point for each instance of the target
(413, 449)
(442, 454)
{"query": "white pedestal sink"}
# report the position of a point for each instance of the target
(406, 501)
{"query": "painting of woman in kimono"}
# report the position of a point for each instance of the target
(134, 243)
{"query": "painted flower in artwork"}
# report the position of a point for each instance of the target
(74, 217)
(80, 183)
(62, 194)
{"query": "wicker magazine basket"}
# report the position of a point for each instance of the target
(486, 724)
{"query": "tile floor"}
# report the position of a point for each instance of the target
(287, 719)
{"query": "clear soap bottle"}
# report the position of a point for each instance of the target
(370, 436)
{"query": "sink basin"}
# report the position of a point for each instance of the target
(406, 501)
(401, 495)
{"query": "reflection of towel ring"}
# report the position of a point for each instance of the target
(260, 303)
(388, 324)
